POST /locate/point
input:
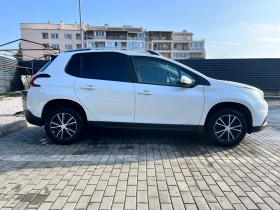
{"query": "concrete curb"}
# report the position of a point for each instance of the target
(12, 127)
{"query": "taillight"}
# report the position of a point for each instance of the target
(36, 77)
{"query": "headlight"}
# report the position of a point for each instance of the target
(256, 93)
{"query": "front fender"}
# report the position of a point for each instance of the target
(232, 95)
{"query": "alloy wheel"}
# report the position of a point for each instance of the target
(228, 127)
(63, 125)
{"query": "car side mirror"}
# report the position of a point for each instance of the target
(186, 82)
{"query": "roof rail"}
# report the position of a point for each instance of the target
(83, 49)
(154, 52)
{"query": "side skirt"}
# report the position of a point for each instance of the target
(145, 126)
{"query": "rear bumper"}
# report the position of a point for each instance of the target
(28, 115)
(32, 119)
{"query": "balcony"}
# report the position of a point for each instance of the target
(159, 38)
(116, 37)
(100, 47)
(99, 37)
(197, 49)
(136, 38)
(162, 48)
(181, 48)
(94, 37)
(136, 47)
(89, 37)
(180, 58)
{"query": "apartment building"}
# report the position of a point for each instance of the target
(106, 37)
(174, 45)
(61, 36)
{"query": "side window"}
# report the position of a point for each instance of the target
(73, 67)
(156, 71)
(109, 66)
(91, 67)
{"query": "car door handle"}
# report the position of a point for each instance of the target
(88, 87)
(145, 92)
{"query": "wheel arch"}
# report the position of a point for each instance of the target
(233, 105)
(62, 103)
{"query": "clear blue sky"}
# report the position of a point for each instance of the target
(231, 28)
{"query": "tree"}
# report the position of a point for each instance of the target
(18, 55)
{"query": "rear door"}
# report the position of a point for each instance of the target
(105, 88)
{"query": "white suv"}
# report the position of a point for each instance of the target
(122, 89)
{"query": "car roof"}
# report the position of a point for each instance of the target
(130, 53)
(126, 52)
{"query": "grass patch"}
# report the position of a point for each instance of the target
(10, 94)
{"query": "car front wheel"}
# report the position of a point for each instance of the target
(227, 127)
(64, 125)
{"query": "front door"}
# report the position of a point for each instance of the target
(159, 97)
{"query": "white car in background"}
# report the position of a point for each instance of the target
(122, 89)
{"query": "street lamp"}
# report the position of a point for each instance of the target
(81, 30)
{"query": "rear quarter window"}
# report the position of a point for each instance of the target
(73, 67)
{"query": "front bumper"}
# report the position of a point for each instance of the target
(28, 115)
(259, 128)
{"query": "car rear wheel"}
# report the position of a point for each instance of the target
(64, 125)
(227, 127)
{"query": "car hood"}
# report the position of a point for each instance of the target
(236, 84)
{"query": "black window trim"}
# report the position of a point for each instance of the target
(198, 79)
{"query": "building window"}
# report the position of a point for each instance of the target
(68, 47)
(201, 45)
(110, 44)
(100, 33)
(78, 36)
(90, 44)
(141, 35)
(79, 46)
(45, 35)
(67, 36)
(195, 44)
(54, 36)
(55, 46)
(190, 44)
(135, 45)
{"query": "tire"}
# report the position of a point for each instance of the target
(221, 133)
(67, 134)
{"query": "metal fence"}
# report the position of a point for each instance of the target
(8, 83)
(261, 73)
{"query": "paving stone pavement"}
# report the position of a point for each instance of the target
(141, 170)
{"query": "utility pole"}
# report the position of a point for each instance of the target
(81, 30)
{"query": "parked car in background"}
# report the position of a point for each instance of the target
(122, 89)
